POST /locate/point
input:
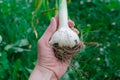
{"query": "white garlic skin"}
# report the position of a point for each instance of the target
(65, 37)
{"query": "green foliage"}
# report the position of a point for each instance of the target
(98, 23)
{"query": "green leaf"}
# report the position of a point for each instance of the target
(22, 43)
(17, 49)
(0, 38)
(8, 47)
(29, 70)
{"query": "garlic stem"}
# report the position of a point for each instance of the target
(63, 14)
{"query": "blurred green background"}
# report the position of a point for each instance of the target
(22, 23)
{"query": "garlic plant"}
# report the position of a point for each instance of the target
(65, 42)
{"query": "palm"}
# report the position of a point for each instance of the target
(47, 59)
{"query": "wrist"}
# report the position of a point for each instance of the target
(42, 73)
(47, 73)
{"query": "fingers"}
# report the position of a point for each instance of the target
(50, 30)
(75, 30)
(71, 23)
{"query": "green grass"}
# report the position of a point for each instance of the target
(98, 22)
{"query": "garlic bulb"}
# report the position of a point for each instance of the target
(65, 42)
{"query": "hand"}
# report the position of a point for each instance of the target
(46, 57)
(48, 67)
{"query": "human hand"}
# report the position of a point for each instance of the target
(46, 57)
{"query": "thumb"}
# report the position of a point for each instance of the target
(50, 30)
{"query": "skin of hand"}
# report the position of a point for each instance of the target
(46, 57)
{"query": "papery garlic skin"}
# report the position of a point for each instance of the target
(65, 37)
